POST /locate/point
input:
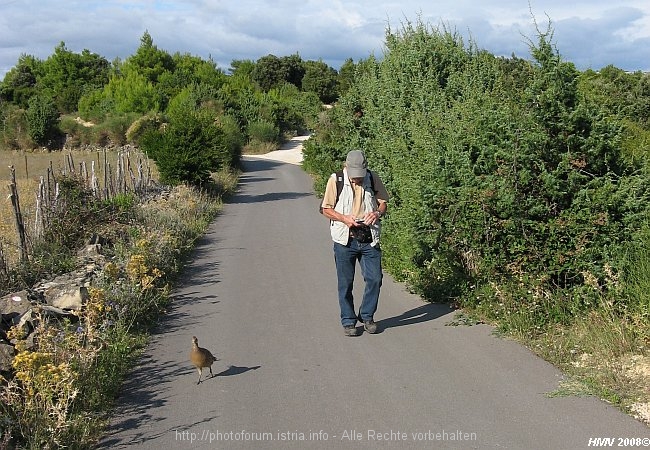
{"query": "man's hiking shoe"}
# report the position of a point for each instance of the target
(370, 326)
(351, 330)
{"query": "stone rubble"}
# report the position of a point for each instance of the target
(63, 297)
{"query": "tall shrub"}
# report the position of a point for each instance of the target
(187, 149)
(508, 189)
(42, 117)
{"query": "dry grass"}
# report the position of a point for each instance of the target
(32, 165)
(259, 148)
(603, 356)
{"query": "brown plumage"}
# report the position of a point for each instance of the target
(201, 358)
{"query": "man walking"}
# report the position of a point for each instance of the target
(355, 201)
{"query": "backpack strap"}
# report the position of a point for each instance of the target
(372, 181)
(339, 188)
(339, 185)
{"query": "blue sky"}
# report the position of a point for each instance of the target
(589, 33)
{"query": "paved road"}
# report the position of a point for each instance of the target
(260, 294)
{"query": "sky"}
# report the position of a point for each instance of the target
(590, 33)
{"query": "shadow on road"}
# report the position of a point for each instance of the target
(257, 165)
(292, 145)
(235, 370)
(149, 387)
(424, 313)
(268, 197)
(246, 179)
(139, 395)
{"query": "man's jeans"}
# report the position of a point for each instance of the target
(369, 259)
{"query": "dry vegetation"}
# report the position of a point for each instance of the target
(29, 167)
(63, 382)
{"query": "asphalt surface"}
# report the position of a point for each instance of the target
(260, 294)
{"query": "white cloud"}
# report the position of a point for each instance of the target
(590, 33)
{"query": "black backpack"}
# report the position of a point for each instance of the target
(339, 187)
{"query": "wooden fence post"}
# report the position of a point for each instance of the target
(106, 170)
(39, 222)
(4, 269)
(20, 226)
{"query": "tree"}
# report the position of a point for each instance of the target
(346, 75)
(19, 83)
(320, 79)
(66, 75)
(242, 67)
(188, 70)
(294, 69)
(132, 92)
(149, 61)
(269, 72)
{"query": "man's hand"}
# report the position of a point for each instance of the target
(349, 221)
(371, 218)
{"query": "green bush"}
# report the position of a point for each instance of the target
(72, 130)
(86, 136)
(13, 134)
(296, 111)
(76, 212)
(188, 149)
(116, 127)
(504, 181)
(123, 94)
(636, 275)
(636, 143)
(320, 79)
(95, 105)
(262, 131)
(234, 139)
(42, 119)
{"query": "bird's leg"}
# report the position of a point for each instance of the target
(211, 376)
(200, 372)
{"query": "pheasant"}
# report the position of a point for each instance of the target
(201, 358)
